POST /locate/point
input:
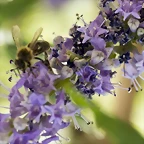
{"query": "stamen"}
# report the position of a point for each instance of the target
(80, 17)
(135, 85)
(4, 107)
(114, 93)
(102, 22)
(11, 62)
(85, 119)
(60, 141)
(10, 78)
(5, 87)
(138, 84)
(76, 124)
(66, 139)
(3, 95)
(141, 77)
(118, 85)
(57, 142)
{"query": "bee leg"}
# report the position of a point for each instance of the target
(23, 70)
(39, 59)
(29, 65)
(46, 56)
(13, 70)
(47, 61)
(19, 72)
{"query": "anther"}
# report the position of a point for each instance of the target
(85, 119)
(129, 90)
(11, 62)
(77, 14)
(10, 79)
(76, 123)
(88, 123)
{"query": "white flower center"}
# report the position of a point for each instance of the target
(19, 123)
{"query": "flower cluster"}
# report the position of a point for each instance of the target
(88, 58)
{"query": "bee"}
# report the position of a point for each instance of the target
(25, 54)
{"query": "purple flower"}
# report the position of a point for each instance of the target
(35, 106)
(91, 82)
(3, 117)
(40, 81)
(15, 98)
(130, 72)
(128, 8)
(138, 59)
(93, 29)
(103, 85)
(60, 48)
(17, 137)
(86, 73)
(56, 110)
(51, 129)
(100, 52)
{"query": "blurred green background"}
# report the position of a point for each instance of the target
(58, 18)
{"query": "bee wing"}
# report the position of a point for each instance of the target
(16, 35)
(35, 38)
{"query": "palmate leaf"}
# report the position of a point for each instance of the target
(119, 131)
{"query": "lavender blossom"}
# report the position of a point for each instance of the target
(41, 81)
(128, 8)
(93, 29)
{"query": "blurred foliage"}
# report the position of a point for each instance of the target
(10, 10)
(119, 131)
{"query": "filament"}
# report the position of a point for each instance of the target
(4, 107)
(5, 87)
(3, 96)
(141, 77)
(119, 85)
(138, 84)
(76, 124)
(85, 119)
(135, 85)
(66, 139)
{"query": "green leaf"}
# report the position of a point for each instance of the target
(112, 55)
(124, 48)
(119, 131)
